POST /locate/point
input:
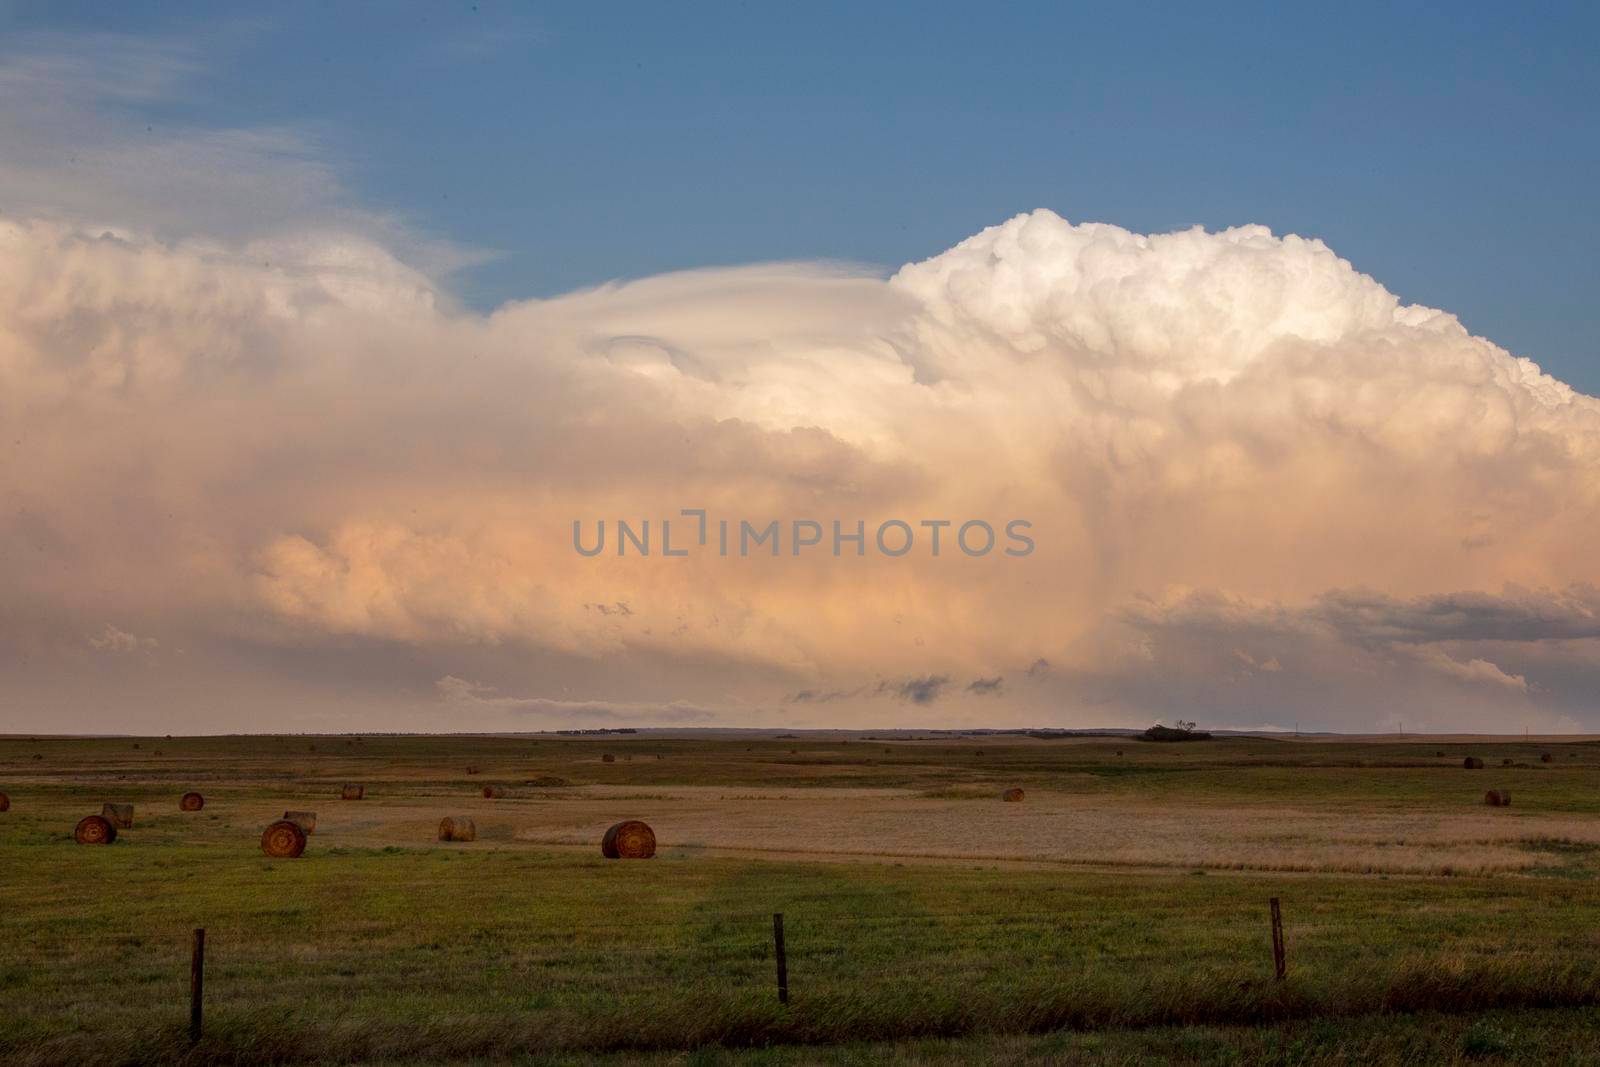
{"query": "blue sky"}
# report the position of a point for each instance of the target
(1449, 151)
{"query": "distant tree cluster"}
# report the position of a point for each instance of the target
(1184, 731)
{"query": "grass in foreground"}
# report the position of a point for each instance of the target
(366, 954)
(1429, 1039)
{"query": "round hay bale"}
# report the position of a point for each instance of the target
(472, 770)
(353, 791)
(1506, 762)
(608, 758)
(121, 815)
(630, 840)
(1497, 798)
(94, 830)
(494, 792)
(306, 820)
(1119, 751)
(1012, 796)
(457, 828)
(1545, 757)
(191, 802)
(1472, 763)
(5, 802)
(283, 840)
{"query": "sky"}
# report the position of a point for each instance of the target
(320, 327)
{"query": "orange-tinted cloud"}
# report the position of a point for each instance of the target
(1258, 486)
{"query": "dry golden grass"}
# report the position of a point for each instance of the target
(1092, 831)
(1302, 806)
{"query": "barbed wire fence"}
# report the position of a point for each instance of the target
(169, 966)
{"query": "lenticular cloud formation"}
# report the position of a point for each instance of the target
(295, 480)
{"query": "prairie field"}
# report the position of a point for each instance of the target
(1118, 914)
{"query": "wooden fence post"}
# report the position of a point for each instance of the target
(197, 981)
(783, 963)
(1279, 962)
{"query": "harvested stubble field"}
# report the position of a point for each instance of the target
(1118, 913)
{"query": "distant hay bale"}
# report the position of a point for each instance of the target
(630, 840)
(283, 840)
(1439, 753)
(306, 820)
(1506, 762)
(608, 758)
(94, 830)
(1012, 796)
(494, 792)
(191, 802)
(353, 791)
(1472, 763)
(472, 770)
(121, 815)
(457, 828)
(1497, 798)
(1545, 757)
(1119, 751)
(5, 802)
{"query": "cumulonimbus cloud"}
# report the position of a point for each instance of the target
(296, 459)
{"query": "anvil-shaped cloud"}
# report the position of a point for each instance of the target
(305, 490)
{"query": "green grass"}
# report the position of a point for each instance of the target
(411, 954)
(371, 953)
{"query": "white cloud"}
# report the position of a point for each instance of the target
(1473, 671)
(111, 639)
(85, 141)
